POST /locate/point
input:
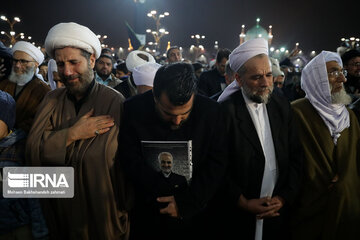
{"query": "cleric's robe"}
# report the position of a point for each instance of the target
(327, 210)
(99, 207)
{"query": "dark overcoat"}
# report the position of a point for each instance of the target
(246, 164)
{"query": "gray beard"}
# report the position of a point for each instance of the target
(21, 79)
(340, 97)
(256, 98)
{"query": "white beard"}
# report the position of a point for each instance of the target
(21, 79)
(340, 97)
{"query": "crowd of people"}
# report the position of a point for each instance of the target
(275, 152)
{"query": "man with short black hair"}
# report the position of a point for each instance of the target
(43, 71)
(122, 71)
(126, 87)
(173, 54)
(103, 68)
(351, 60)
(213, 81)
(172, 111)
(229, 78)
(198, 68)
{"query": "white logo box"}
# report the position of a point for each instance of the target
(38, 182)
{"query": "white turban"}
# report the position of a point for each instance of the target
(30, 49)
(133, 60)
(145, 74)
(247, 50)
(238, 57)
(72, 35)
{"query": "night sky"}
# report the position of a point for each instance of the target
(316, 25)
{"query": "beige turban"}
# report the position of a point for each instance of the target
(247, 50)
(30, 49)
(72, 35)
(133, 59)
(145, 74)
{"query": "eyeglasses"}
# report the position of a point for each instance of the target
(337, 73)
(21, 61)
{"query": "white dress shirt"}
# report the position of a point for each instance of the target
(261, 122)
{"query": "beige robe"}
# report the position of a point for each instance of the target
(27, 101)
(327, 210)
(101, 200)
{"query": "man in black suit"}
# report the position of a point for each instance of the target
(213, 81)
(264, 152)
(169, 181)
(172, 111)
(229, 78)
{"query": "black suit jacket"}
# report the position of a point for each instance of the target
(167, 186)
(204, 127)
(246, 162)
(210, 82)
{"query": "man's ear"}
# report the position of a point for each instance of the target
(36, 67)
(238, 79)
(92, 60)
(155, 100)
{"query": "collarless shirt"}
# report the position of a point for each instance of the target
(261, 122)
(101, 81)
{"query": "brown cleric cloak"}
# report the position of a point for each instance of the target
(99, 207)
(27, 101)
(327, 210)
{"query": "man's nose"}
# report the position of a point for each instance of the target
(17, 64)
(68, 70)
(265, 81)
(342, 78)
(177, 120)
